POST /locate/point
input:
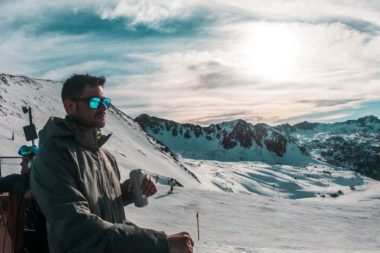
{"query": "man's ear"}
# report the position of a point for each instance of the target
(70, 106)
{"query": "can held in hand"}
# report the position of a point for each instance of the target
(137, 178)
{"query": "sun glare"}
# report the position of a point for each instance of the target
(270, 52)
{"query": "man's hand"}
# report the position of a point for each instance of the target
(180, 243)
(148, 187)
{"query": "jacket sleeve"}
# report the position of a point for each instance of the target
(54, 184)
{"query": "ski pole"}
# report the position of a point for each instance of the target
(198, 224)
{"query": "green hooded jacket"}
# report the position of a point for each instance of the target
(77, 185)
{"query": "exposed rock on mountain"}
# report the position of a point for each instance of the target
(228, 141)
(353, 144)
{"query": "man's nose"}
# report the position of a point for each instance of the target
(102, 107)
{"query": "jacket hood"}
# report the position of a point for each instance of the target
(70, 127)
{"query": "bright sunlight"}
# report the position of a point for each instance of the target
(271, 52)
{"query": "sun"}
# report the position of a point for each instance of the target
(270, 52)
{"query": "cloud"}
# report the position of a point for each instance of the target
(328, 103)
(86, 67)
(125, 19)
(214, 75)
(199, 62)
(333, 118)
(219, 118)
(354, 112)
(192, 86)
(153, 13)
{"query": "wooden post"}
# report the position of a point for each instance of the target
(198, 225)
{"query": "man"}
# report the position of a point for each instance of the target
(77, 183)
(26, 224)
(171, 183)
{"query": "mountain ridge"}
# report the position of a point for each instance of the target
(352, 144)
(218, 141)
(306, 125)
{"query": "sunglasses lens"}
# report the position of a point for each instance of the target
(107, 102)
(27, 150)
(24, 150)
(94, 102)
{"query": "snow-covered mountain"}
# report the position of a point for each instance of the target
(235, 140)
(353, 144)
(132, 147)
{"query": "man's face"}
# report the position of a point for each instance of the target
(88, 116)
(24, 165)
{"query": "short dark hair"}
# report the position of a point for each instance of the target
(74, 86)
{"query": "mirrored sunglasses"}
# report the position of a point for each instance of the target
(28, 150)
(95, 102)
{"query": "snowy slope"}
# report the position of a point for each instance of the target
(250, 223)
(254, 207)
(285, 181)
(131, 146)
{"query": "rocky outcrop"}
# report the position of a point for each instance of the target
(352, 144)
(306, 125)
(228, 135)
(146, 122)
(277, 143)
(242, 133)
(286, 128)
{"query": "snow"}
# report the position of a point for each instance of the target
(243, 206)
(231, 222)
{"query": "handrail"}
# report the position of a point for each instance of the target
(8, 157)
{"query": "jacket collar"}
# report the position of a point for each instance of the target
(90, 138)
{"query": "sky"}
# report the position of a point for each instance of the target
(205, 62)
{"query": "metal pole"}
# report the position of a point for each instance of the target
(31, 120)
(198, 224)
